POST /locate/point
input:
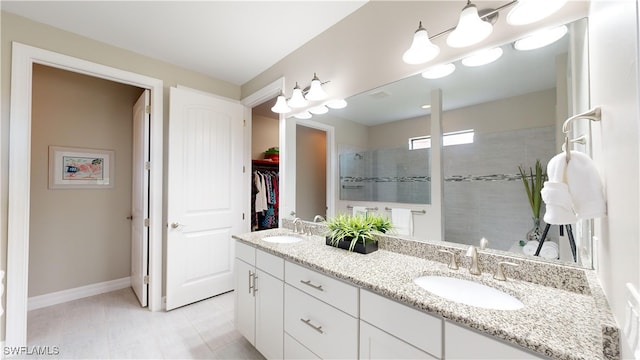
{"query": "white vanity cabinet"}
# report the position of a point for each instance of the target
(259, 296)
(389, 329)
(464, 343)
(321, 315)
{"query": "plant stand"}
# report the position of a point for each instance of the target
(572, 241)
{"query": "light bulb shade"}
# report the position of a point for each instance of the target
(281, 106)
(422, 49)
(439, 71)
(541, 38)
(318, 110)
(483, 57)
(297, 99)
(303, 115)
(530, 11)
(337, 104)
(316, 93)
(470, 29)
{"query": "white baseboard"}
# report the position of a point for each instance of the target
(59, 297)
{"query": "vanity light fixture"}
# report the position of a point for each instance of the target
(422, 49)
(483, 57)
(426, 106)
(336, 104)
(541, 38)
(470, 29)
(529, 11)
(303, 115)
(318, 110)
(281, 106)
(297, 99)
(439, 71)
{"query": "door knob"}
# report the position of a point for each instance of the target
(175, 225)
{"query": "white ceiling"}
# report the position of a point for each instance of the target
(228, 40)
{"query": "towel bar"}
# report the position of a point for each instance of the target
(423, 211)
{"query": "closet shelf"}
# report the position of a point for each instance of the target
(265, 162)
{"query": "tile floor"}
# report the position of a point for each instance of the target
(114, 326)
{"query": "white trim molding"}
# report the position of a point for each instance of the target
(63, 296)
(23, 58)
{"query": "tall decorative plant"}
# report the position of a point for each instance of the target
(533, 185)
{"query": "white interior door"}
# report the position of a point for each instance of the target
(140, 199)
(204, 200)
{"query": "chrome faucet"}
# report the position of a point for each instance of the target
(474, 269)
(318, 218)
(297, 221)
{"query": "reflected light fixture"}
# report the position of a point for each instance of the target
(318, 110)
(297, 99)
(529, 11)
(439, 71)
(337, 104)
(281, 106)
(426, 106)
(303, 115)
(316, 93)
(541, 38)
(483, 57)
(422, 49)
(470, 29)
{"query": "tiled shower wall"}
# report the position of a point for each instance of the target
(386, 175)
(483, 193)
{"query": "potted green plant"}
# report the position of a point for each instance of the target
(356, 232)
(533, 183)
(272, 153)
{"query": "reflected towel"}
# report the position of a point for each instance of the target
(549, 249)
(402, 220)
(359, 210)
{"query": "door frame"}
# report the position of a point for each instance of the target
(23, 58)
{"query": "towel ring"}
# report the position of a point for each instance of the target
(566, 149)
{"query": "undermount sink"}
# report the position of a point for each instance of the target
(468, 292)
(281, 239)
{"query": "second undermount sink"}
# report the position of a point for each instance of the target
(469, 292)
(281, 239)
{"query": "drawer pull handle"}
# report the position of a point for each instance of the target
(308, 283)
(316, 328)
(250, 283)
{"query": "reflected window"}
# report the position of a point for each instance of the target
(450, 138)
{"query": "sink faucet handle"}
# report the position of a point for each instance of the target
(453, 264)
(499, 275)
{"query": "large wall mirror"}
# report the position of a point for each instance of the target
(495, 118)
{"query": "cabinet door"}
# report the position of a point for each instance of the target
(245, 301)
(464, 343)
(294, 350)
(377, 344)
(269, 315)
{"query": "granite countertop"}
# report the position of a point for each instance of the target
(555, 322)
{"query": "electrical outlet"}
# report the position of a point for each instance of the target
(631, 328)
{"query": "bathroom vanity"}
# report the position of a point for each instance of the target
(303, 299)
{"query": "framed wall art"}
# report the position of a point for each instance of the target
(79, 168)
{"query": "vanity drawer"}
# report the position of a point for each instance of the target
(330, 290)
(246, 253)
(323, 329)
(294, 350)
(269, 263)
(413, 326)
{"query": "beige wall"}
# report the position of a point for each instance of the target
(613, 56)
(79, 237)
(311, 172)
(265, 134)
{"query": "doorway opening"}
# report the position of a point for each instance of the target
(23, 59)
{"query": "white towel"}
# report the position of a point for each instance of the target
(573, 190)
(359, 210)
(402, 220)
(585, 186)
